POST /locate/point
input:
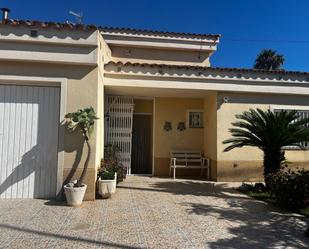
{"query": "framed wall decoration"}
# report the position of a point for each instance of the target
(167, 126)
(195, 118)
(181, 126)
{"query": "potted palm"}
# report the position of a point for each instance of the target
(107, 179)
(83, 120)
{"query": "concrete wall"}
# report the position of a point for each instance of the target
(165, 56)
(145, 47)
(83, 89)
(174, 110)
(50, 46)
(246, 163)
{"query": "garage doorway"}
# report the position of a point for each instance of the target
(28, 141)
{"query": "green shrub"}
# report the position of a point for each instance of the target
(289, 188)
(106, 174)
(111, 162)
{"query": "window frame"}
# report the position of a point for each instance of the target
(188, 118)
(297, 108)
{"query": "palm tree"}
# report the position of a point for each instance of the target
(270, 132)
(268, 59)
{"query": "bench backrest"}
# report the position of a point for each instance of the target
(188, 158)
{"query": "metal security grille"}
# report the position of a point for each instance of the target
(118, 126)
(302, 114)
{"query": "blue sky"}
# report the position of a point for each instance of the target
(247, 26)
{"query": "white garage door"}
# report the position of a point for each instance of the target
(29, 120)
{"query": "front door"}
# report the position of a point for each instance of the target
(141, 145)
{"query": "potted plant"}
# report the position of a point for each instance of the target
(106, 182)
(83, 120)
(111, 161)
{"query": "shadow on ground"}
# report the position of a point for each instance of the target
(187, 187)
(253, 224)
(256, 225)
(85, 241)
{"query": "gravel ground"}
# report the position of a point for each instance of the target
(153, 213)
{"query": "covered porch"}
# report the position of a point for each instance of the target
(147, 124)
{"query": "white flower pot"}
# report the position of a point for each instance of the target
(107, 187)
(74, 195)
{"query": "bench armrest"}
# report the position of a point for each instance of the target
(173, 161)
(205, 160)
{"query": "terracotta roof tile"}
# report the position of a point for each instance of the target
(155, 32)
(55, 25)
(222, 69)
(84, 27)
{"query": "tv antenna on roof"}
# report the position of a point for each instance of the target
(78, 16)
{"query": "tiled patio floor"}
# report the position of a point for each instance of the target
(152, 213)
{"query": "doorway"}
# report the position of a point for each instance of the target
(141, 162)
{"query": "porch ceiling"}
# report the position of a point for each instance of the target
(155, 92)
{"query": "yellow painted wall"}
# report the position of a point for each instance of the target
(210, 131)
(166, 56)
(104, 55)
(174, 110)
(143, 106)
(246, 163)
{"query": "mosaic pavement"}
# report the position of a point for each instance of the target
(152, 213)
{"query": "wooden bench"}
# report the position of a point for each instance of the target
(188, 160)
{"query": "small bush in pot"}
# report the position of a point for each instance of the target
(106, 175)
(83, 121)
(111, 161)
(106, 182)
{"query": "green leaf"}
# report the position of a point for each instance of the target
(83, 118)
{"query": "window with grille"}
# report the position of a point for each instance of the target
(302, 114)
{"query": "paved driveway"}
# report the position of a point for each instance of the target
(152, 213)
